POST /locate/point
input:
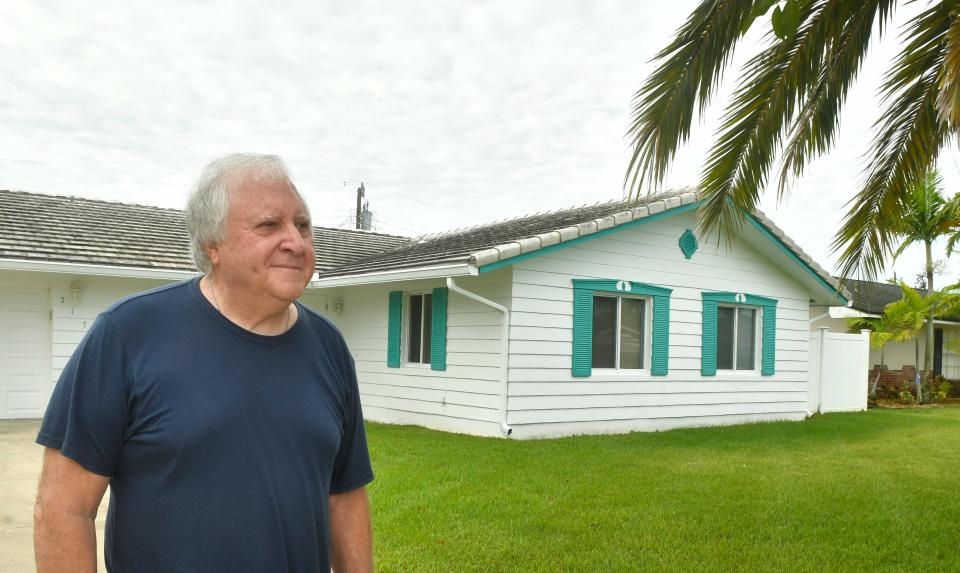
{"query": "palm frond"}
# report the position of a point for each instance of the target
(813, 131)
(689, 71)
(774, 82)
(948, 101)
(906, 143)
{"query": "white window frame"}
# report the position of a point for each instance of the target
(647, 335)
(405, 346)
(757, 336)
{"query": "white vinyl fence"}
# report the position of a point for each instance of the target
(839, 364)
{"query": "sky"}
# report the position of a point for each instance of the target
(452, 114)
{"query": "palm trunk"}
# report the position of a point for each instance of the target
(928, 358)
(916, 356)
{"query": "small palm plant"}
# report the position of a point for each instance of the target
(902, 320)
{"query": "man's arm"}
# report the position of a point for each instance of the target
(64, 536)
(350, 532)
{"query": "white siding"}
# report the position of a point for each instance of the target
(546, 400)
(68, 321)
(465, 397)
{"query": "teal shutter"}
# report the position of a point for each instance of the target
(438, 334)
(768, 354)
(582, 331)
(394, 326)
(661, 335)
(708, 350)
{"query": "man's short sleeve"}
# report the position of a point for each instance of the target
(87, 416)
(351, 468)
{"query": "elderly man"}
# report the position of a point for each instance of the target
(224, 415)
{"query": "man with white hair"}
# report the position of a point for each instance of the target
(224, 415)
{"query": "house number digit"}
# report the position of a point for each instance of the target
(62, 300)
(84, 324)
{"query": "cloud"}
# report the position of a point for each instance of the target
(452, 114)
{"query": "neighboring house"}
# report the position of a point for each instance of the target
(64, 260)
(608, 318)
(869, 300)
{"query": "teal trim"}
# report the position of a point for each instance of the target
(793, 256)
(583, 291)
(580, 240)
(394, 328)
(438, 334)
(768, 341)
(688, 243)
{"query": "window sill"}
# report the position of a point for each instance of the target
(611, 375)
(737, 374)
(417, 365)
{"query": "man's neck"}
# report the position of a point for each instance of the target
(267, 317)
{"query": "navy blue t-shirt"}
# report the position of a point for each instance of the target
(222, 446)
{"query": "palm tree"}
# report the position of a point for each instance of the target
(788, 103)
(925, 217)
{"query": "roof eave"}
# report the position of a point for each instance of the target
(398, 275)
(95, 270)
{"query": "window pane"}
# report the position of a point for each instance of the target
(725, 338)
(746, 337)
(631, 333)
(604, 332)
(427, 326)
(413, 336)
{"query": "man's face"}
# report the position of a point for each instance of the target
(268, 247)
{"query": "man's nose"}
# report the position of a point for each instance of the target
(293, 241)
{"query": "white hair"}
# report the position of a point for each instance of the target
(209, 202)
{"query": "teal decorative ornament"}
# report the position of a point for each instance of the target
(688, 243)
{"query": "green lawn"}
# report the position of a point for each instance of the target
(878, 490)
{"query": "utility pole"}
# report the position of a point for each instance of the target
(361, 193)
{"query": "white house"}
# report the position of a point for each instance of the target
(609, 318)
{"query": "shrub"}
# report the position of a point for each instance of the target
(906, 397)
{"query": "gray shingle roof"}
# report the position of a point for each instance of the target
(53, 228)
(500, 241)
(871, 297)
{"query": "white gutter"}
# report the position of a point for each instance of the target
(439, 271)
(95, 270)
(504, 350)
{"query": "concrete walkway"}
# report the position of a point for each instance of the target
(20, 460)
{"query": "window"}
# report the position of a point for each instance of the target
(417, 328)
(619, 331)
(736, 338)
(420, 328)
(739, 333)
(620, 325)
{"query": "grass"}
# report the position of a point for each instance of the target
(872, 491)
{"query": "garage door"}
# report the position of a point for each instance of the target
(24, 353)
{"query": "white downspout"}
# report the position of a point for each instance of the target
(504, 350)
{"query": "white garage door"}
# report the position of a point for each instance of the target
(24, 353)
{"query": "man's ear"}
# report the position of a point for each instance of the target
(213, 253)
